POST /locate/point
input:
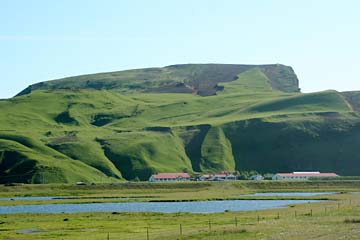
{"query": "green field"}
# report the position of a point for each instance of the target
(127, 125)
(338, 218)
(176, 191)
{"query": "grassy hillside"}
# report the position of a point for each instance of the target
(326, 145)
(130, 124)
(201, 79)
(353, 98)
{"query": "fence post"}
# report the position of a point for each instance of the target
(235, 221)
(181, 231)
(278, 216)
(147, 233)
(209, 225)
(258, 218)
(311, 212)
(338, 206)
(108, 236)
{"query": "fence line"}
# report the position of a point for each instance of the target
(236, 224)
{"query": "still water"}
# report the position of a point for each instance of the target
(288, 194)
(163, 207)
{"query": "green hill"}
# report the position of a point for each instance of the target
(195, 117)
(202, 79)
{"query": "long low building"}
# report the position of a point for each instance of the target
(223, 176)
(301, 175)
(169, 177)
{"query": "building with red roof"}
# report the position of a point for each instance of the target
(301, 175)
(169, 177)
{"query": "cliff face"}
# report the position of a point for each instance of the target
(196, 117)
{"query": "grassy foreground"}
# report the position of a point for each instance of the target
(335, 219)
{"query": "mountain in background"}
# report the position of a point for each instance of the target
(130, 124)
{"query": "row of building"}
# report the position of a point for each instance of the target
(302, 175)
(172, 177)
(230, 176)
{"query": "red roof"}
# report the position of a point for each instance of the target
(171, 175)
(307, 174)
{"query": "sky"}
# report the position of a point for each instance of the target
(42, 40)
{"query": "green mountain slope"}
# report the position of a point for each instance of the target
(197, 118)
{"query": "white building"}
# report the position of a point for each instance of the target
(301, 175)
(257, 177)
(218, 177)
(169, 177)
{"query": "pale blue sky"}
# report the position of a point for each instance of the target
(47, 39)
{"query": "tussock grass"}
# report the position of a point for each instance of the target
(352, 221)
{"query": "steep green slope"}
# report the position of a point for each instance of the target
(98, 128)
(327, 144)
(216, 152)
(253, 80)
(24, 159)
(139, 154)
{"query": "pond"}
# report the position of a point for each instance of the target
(163, 207)
(288, 194)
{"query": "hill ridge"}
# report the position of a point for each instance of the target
(202, 79)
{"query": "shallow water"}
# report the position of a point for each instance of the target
(48, 198)
(288, 194)
(164, 207)
(31, 198)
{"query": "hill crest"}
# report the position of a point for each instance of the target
(200, 79)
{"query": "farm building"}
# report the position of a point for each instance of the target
(169, 177)
(301, 175)
(257, 177)
(223, 176)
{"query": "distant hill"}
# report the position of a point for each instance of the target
(127, 125)
(202, 79)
